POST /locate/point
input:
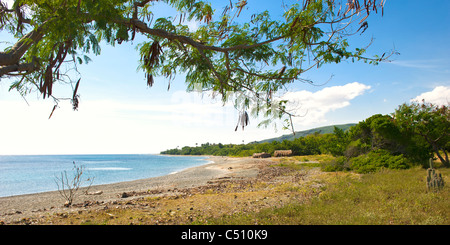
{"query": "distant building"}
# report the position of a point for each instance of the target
(282, 153)
(261, 155)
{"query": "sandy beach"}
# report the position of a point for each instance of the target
(18, 207)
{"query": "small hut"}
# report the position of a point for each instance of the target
(282, 153)
(261, 155)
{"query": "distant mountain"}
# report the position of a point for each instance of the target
(298, 134)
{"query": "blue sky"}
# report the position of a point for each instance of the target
(118, 113)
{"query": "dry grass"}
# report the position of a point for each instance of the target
(389, 197)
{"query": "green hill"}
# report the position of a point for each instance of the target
(298, 134)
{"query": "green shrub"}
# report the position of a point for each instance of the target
(337, 164)
(375, 160)
(355, 148)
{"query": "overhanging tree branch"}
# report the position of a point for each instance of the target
(254, 59)
(21, 47)
(21, 69)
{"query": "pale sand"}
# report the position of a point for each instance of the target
(16, 207)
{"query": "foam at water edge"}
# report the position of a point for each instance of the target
(110, 168)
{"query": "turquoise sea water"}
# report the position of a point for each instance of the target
(26, 174)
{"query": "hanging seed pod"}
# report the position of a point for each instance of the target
(54, 108)
(75, 96)
(150, 80)
(41, 86)
(76, 88)
(46, 87)
(151, 59)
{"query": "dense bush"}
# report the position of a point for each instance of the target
(375, 160)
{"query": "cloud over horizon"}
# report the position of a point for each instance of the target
(439, 95)
(312, 107)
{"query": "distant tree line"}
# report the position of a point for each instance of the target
(410, 136)
(309, 145)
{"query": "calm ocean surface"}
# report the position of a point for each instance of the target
(36, 173)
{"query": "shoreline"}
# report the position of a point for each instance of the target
(207, 159)
(13, 208)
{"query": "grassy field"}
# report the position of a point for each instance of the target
(291, 191)
(388, 197)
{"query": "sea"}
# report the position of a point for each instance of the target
(27, 174)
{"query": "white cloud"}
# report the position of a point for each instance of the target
(420, 64)
(439, 95)
(193, 25)
(313, 107)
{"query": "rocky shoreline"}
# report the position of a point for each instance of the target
(15, 209)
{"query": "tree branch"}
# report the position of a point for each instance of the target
(187, 40)
(27, 67)
(21, 47)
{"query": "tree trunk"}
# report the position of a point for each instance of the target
(447, 162)
(444, 161)
(13, 56)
